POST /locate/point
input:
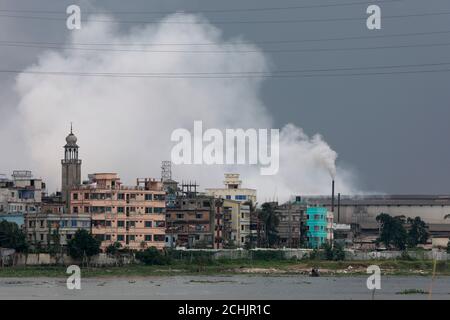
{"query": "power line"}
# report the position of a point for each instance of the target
(249, 74)
(424, 45)
(234, 43)
(325, 5)
(233, 22)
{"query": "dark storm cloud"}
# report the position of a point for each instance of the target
(392, 130)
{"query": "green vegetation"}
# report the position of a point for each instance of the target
(153, 256)
(394, 235)
(83, 245)
(335, 252)
(412, 291)
(114, 249)
(270, 219)
(418, 233)
(12, 237)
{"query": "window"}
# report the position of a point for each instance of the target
(240, 197)
(69, 236)
(148, 237)
(86, 209)
(148, 210)
(73, 223)
(132, 209)
(132, 237)
(159, 237)
(108, 223)
(75, 196)
(180, 215)
(120, 237)
(41, 223)
(75, 209)
(86, 196)
(120, 223)
(108, 237)
(42, 237)
(148, 197)
(199, 216)
(160, 224)
(120, 209)
(228, 197)
(133, 196)
(148, 224)
(158, 210)
(120, 196)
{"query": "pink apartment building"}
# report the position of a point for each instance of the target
(134, 216)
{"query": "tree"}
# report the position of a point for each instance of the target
(393, 233)
(152, 256)
(12, 237)
(82, 245)
(270, 219)
(335, 253)
(113, 249)
(448, 246)
(418, 233)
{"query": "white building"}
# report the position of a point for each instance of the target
(20, 195)
(233, 190)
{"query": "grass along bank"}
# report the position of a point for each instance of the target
(231, 267)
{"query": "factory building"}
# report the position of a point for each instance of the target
(361, 211)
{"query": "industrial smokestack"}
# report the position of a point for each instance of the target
(339, 207)
(332, 196)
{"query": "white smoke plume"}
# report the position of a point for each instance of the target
(124, 124)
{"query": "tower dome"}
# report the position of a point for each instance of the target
(71, 139)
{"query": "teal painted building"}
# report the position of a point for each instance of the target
(316, 225)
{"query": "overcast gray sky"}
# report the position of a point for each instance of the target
(392, 130)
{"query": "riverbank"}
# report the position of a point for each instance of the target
(244, 267)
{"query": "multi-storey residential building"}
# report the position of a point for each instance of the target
(44, 228)
(191, 221)
(319, 226)
(134, 216)
(53, 222)
(20, 196)
(233, 190)
(291, 227)
(245, 230)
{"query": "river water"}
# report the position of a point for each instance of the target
(240, 287)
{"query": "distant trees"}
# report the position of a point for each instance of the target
(12, 237)
(113, 249)
(448, 246)
(393, 233)
(418, 233)
(335, 252)
(152, 256)
(270, 220)
(83, 245)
